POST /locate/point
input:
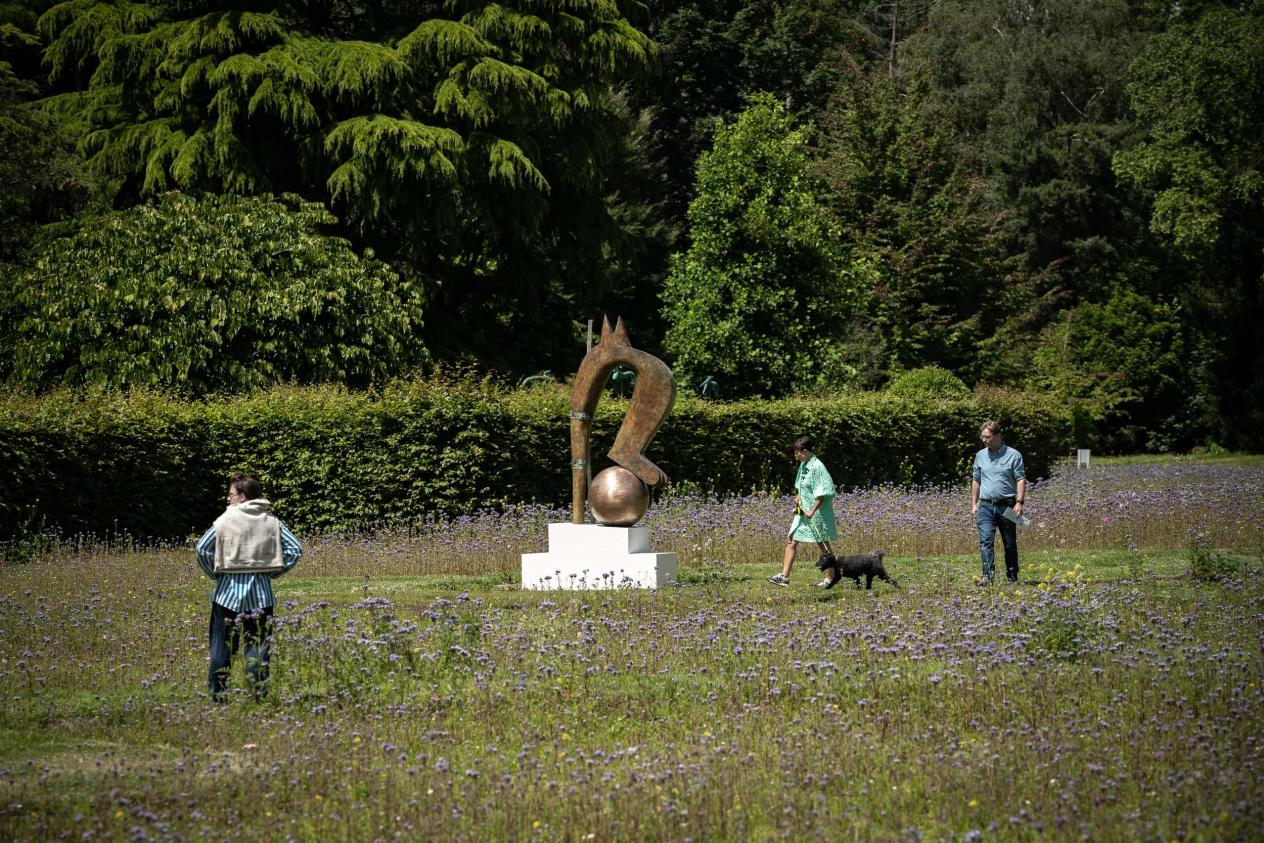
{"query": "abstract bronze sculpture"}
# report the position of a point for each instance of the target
(615, 552)
(619, 495)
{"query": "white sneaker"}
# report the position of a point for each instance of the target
(825, 583)
(779, 579)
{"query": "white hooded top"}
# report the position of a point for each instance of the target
(248, 539)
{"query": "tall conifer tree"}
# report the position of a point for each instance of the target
(471, 145)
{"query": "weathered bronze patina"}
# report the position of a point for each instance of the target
(651, 401)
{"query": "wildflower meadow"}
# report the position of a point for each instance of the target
(1114, 694)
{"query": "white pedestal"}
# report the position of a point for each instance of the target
(590, 556)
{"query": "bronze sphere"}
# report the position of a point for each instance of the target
(618, 497)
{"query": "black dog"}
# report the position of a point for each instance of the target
(867, 565)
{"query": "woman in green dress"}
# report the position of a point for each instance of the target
(814, 510)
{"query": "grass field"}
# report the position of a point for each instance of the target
(1115, 694)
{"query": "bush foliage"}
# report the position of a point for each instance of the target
(1124, 368)
(928, 382)
(220, 293)
(151, 465)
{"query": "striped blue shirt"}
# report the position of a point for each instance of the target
(244, 592)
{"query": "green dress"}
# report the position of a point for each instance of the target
(813, 481)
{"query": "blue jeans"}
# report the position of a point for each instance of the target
(989, 521)
(228, 631)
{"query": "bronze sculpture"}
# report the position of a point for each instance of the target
(620, 494)
(617, 497)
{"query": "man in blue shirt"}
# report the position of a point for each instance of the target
(243, 551)
(999, 482)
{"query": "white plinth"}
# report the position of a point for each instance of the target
(590, 556)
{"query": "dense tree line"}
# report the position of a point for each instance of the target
(802, 195)
(1063, 195)
(481, 148)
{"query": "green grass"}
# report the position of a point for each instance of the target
(1219, 458)
(1119, 700)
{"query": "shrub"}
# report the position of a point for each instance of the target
(220, 293)
(152, 465)
(1124, 360)
(928, 382)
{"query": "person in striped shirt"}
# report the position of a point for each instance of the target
(245, 549)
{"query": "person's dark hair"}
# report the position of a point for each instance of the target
(803, 443)
(992, 427)
(246, 485)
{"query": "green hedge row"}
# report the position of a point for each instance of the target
(153, 466)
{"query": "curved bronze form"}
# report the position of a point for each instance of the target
(652, 400)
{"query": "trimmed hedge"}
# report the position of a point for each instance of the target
(153, 466)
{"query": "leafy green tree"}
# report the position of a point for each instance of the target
(473, 146)
(211, 294)
(910, 215)
(1127, 371)
(42, 178)
(714, 54)
(1035, 95)
(759, 299)
(1198, 91)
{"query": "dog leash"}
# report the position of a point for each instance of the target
(826, 552)
(798, 511)
(803, 516)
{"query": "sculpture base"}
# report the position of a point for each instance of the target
(592, 556)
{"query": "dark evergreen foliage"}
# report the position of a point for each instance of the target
(474, 145)
(1022, 194)
(918, 221)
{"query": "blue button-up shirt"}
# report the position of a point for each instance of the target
(244, 592)
(998, 473)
